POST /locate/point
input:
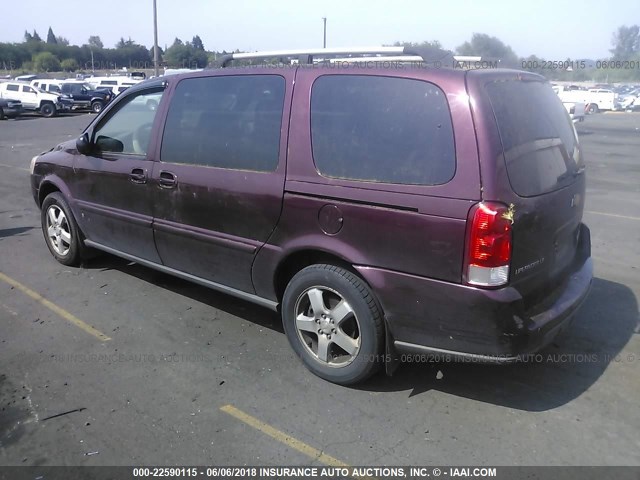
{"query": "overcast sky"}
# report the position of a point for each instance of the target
(553, 29)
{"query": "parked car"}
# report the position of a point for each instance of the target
(48, 104)
(10, 108)
(84, 96)
(382, 212)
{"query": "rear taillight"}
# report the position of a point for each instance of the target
(489, 248)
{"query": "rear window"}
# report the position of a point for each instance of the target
(381, 129)
(538, 138)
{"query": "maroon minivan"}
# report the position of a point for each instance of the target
(383, 209)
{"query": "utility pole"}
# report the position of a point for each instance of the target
(93, 70)
(155, 39)
(324, 37)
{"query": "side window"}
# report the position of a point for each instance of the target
(226, 122)
(381, 129)
(27, 89)
(128, 130)
(13, 88)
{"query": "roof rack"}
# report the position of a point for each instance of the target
(318, 55)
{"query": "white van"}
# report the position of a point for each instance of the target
(116, 84)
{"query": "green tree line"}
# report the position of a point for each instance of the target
(55, 54)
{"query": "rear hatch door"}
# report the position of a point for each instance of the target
(542, 177)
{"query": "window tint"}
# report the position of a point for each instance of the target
(27, 89)
(226, 122)
(381, 129)
(13, 88)
(128, 130)
(540, 146)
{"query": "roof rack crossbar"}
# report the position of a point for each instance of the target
(308, 56)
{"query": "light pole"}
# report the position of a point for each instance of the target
(324, 36)
(155, 39)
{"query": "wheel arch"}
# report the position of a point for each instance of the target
(52, 184)
(296, 260)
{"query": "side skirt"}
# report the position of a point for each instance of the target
(186, 276)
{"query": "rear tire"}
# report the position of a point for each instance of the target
(333, 323)
(61, 232)
(48, 110)
(1, 114)
(593, 108)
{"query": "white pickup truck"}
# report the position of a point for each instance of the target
(595, 99)
(32, 98)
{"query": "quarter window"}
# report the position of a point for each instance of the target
(128, 130)
(381, 129)
(229, 122)
(13, 88)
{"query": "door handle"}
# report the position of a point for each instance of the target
(167, 179)
(138, 175)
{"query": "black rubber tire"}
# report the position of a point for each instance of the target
(97, 106)
(1, 114)
(357, 293)
(48, 110)
(593, 108)
(77, 249)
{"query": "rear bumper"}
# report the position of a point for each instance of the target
(455, 321)
(12, 112)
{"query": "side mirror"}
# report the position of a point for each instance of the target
(83, 144)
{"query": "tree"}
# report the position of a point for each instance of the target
(46, 62)
(626, 42)
(425, 44)
(122, 43)
(35, 37)
(51, 38)
(28, 37)
(197, 43)
(69, 65)
(484, 45)
(62, 41)
(95, 42)
(185, 55)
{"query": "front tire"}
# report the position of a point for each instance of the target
(1, 114)
(333, 323)
(96, 107)
(61, 232)
(48, 110)
(593, 108)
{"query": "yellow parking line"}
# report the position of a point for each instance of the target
(54, 308)
(282, 437)
(612, 215)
